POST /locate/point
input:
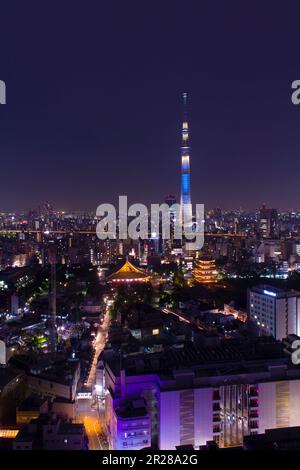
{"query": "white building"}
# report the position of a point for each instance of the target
(195, 416)
(6, 351)
(100, 381)
(274, 311)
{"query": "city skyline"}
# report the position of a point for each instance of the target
(70, 123)
(149, 229)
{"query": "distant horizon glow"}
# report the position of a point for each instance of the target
(100, 113)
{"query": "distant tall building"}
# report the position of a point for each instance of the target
(170, 200)
(186, 205)
(48, 206)
(268, 222)
(275, 312)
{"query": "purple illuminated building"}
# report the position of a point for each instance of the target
(194, 395)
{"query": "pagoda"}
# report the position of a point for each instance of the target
(205, 272)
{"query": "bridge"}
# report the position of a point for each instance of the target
(93, 232)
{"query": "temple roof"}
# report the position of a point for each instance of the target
(128, 272)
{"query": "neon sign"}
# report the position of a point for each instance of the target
(268, 292)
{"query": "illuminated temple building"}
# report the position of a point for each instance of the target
(128, 273)
(205, 271)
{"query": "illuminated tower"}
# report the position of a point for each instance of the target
(205, 271)
(185, 202)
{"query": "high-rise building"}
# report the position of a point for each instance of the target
(275, 312)
(186, 207)
(169, 244)
(268, 222)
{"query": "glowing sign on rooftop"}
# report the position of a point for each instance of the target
(268, 292)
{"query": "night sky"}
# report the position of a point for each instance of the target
(94, 102)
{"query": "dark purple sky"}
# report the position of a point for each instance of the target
(94, 101)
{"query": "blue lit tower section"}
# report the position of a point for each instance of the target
(186, 206)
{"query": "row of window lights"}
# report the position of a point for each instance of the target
(134, 423)
(132, 434)
(261, 324)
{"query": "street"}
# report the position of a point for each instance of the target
(89, 417)
(86, 408)
(98, 344)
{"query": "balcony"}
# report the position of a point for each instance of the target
(216, 407)
(253, 425)
(216, 429)
(253, 403)
(217, 418)
(253, 392)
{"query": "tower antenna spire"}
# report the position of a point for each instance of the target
(185, 113)
(186, 205)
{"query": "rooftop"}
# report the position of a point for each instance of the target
(49, 367)
(262, 355)
(32, 432)
(32, 403)
(274, 291)
(132, 409)
(282, 438)
(7, 375)
(71, 428)
(129, 272)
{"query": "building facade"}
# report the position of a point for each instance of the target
(130, 426)
(234, 393)
(268, 222)
(274, 311)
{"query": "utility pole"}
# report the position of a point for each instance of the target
(52, 304)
